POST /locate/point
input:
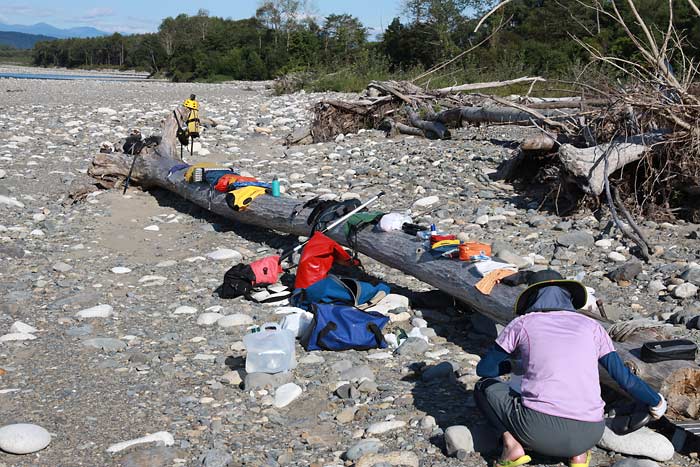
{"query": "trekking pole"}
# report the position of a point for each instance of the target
(133, 163)
(333, 225)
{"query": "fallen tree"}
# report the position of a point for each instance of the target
(154, 168)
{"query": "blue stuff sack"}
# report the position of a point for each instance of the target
(341, 327)
(341, 291)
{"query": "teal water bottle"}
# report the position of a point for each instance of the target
(275, 187)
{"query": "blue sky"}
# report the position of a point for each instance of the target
(131, 16)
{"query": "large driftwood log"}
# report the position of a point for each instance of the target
(588, 164)
(395, 249)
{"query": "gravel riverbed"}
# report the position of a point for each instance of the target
(147, 362)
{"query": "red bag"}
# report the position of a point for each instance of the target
(226, 180)
(317, 258)
(266, 270)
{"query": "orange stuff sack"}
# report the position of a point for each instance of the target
(226, 180)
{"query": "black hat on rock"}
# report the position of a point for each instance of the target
(547, 278)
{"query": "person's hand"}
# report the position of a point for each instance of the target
(659, 411)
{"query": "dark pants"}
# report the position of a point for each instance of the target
(542, 433)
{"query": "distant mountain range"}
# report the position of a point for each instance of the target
(20, 40)
(43, 29)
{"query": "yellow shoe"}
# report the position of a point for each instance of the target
(586, 464)
(515, 463)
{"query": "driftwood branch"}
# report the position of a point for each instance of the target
(588, 164)
(486, 85)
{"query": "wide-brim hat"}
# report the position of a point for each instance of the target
(547, 278)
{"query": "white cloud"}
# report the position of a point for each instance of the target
(97, 13)
(24, 10)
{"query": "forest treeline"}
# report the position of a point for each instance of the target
(523, 37)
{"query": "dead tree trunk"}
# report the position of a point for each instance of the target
(394, 249)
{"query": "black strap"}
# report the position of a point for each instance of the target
(331, 326)
(374, 329)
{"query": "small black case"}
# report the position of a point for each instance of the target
(677, 349)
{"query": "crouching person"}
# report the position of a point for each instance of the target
(559, 411)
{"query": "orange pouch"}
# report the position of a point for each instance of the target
(469, 249)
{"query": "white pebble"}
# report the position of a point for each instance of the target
(285, 394)
(23, 438)
(11, 202)
(152, 228)
(121, 270)
(20, 327)
(237, 319)
(225, 254)
(185, 310)
(207, 319)
(383, 427)
(99, 311)
(17, 336)
(615, 256)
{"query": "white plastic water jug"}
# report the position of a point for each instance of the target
(270, 351)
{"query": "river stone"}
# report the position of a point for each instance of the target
(576, 238)
(686, 290)
(20, 327)
(286, 394)
(364, 447)
(263, 380)
(121, 270)
(643, 443)
(223, 254)
(439, 371)
(692, 275)
(62, 267)
(217, 458)
(185, 310)
(207, 319)
(383, 427)
(627, 272)
(158, 456)
(11, 201)
(617, 257)
(428, 422)
(390, 459)
(426, 202)
(412, 346)
(99, 311)
(604, 243)
(23, 438)
(105, 343)
(458, 438)
(357, 373)
(347, 391)
(237, 319)
(635, 463)
(17, 336)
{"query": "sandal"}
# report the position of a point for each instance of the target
(586, 464)
(522, 460)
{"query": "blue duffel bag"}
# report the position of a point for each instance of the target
(342, 327)
(341, 291)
